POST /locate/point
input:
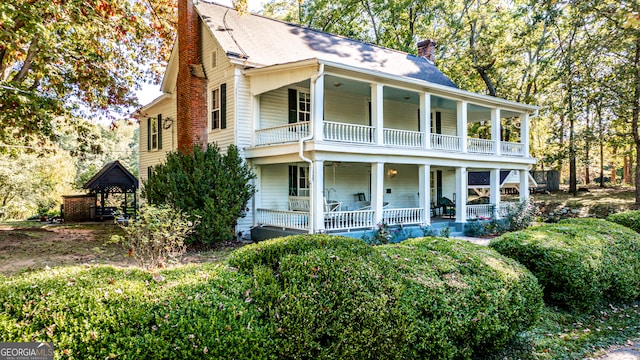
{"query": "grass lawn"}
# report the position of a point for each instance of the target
(29, 246)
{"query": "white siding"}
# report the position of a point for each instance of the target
(350, 179)
(400, 115)
(274, 183)
(149, 158)
(404, 186)
(346, 108)
(449, 122)
(244, 130)
(449, 183)
(274, 108)
(223, 73)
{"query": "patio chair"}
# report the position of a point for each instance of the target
(448, 207)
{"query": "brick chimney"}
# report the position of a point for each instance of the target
(191, 83)
(427, 49)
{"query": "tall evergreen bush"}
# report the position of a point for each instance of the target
(205, 183)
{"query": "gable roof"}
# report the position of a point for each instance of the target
(113, 175)
(260, 41)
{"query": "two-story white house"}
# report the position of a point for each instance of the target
(342, 135)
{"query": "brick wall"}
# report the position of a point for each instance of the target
(78, 207)
(191, 83)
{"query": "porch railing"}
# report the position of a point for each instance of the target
(511, 149)
(403, 138)
(336, 131)
(282, 134)
(284, 218)
(344, 220)
(505, 207)
(407, 216)
(446, 142)
(480, 146)
(484, 211)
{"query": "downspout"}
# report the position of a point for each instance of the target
(301, 148)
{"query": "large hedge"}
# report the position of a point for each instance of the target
(297, 297)
(579, 262)
(630, 219)
(426, 298)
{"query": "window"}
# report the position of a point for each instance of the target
(154, 133)
(299, 106)
(304, 106)
(298, 180)
(215, 109)
(219, 107)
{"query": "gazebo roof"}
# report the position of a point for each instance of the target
(113, 176)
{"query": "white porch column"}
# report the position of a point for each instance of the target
(494, 194)
(317, 198)
(256, 118)
(495, 129)
(524, 133)
(377, 190)
(462, 124)
(424, 187)
(317, 107)
(461, 194)
(377, 112)
(524, 185)
(425, 119)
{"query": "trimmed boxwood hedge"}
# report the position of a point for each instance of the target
(579, 262)
(295, 297)
(423, 298)
(630, 219)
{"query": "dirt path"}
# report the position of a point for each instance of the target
(30, 248)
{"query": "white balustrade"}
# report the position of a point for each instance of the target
(446, 142)
(345, 220)
(480, 146)
(511, 149)
(284, 218)
(349, 132)
(407, 216)
(403, 138)
(282, 134)
(482, 212)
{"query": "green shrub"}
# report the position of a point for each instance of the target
(333, 297)
(207, 184)
(104, 313)
(630, 219)
(579, 262)
(157, 235)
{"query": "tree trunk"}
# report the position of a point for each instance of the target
(613, 165)
(636, 113)
(625, 170)
(601, 163)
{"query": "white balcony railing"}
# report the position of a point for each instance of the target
(282, 134)
(349, 132)
(483, 212)
(511, 149)
(403, 138)
(344, 220)
(480, 146)
(408, 216)
(284, 218)
(446, 142)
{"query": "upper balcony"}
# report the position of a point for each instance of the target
(358, 112)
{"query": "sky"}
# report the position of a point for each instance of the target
(149, 92)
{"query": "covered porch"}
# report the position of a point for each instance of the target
(351, 196)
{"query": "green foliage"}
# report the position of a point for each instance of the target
(333, 297)
(104, 312)
(630, 219)
(212, 186)
(156, 236)
(579, 262)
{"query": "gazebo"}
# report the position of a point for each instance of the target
(112, 179)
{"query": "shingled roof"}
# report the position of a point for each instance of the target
(262, 41)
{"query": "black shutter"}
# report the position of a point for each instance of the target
(438, 122)
(293, 106)
(159, 131)
(293, 180)
(149, 134)
(419, 120)
(223, 106)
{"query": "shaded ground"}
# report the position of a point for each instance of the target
(26, 246)
(596, 202)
